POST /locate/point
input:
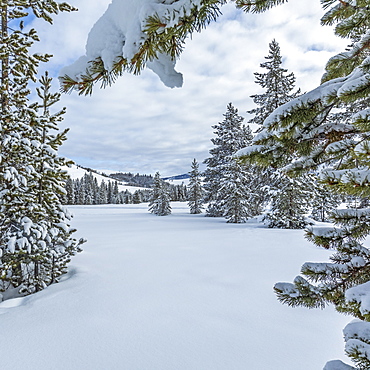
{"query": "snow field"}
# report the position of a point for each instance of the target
(181, 292)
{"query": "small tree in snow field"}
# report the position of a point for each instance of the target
(195, 190)
(160, 201)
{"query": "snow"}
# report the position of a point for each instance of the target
(120, 32)
(183, 292)
(360, 294)
(337, 365)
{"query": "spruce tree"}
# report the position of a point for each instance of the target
(35, 242)
(260, 182)
(102, 197)
(127, 197)
(278, 89)
(160, 200)
(231, 135)
(137, 197)
(115, 193)
(324, 201)
(195, 190)
(234, 186)
(70, 191)
(289, 203)
(278, 86)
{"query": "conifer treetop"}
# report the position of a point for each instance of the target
(277, 84)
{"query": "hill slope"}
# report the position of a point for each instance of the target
(77, 172)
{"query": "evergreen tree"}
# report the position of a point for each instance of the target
(276, 83)
(35, 242)
(127, 197)
(290, 203)
(174, 195)
(278, 89)
(95, 190)
(88, 188)
(70, 191)
(81, 193)
(115, 193)
(260, 182)
(234, 184)
(195, 189)
(231, 136)
(301, 136)
(160, 201)
(102, 197)
(109, 193)
(137, 197)
(323, 203)
(57, 245)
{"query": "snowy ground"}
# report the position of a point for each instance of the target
(181, 292)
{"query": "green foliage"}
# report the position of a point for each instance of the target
(258, 6)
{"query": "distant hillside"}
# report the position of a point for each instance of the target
(77, 172)
(129, 178)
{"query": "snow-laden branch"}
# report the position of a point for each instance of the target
(134, 34)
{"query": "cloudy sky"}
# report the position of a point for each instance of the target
(139, 125)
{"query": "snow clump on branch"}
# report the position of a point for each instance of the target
(120, 32)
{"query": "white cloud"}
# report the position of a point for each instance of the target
(139, 125)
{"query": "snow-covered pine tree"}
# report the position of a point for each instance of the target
(234, 185)
(35, 237)
(260, 182)
(231, 135)
(289, 203)
(89, 188)
(278, 86)
(195, 190)
(160, 201)
(278, 89)
(137, 198)
(324, 201)
(115, 193)
(127, 198)
(81, 192)
(298, 136)
(102, 194)
(70, 191)
(57, 244)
